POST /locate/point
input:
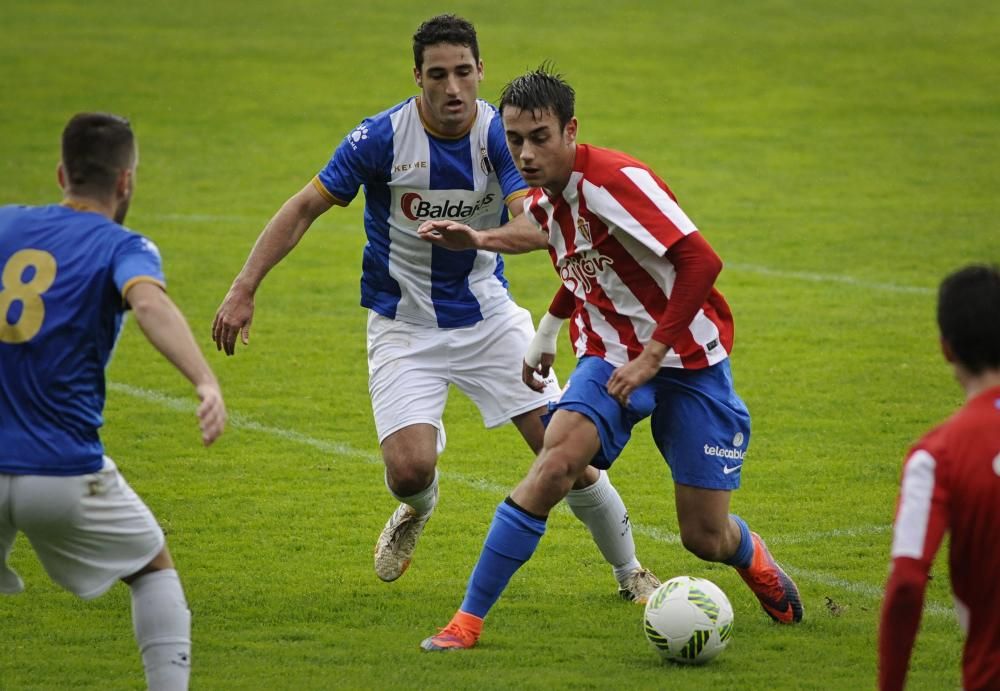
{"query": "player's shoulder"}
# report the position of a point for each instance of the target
(972, 425)
(604, 166)
(8, 209)
(378, 129)
(10, 213)
(14, 211)
(404, 107)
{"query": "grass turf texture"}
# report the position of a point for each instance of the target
(840, 159)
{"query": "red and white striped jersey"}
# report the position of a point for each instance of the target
(951, 483)
(609, 232)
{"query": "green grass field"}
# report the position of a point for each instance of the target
(840, 157)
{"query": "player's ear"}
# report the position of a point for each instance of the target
(61, 175)
(570, 130)
(479, 68)
(123, 187)
(417, 78)
(947, 351)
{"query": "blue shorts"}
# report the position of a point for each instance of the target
(699, 424)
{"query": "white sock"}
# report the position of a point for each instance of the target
(602, 510)
(162, 624)
(424, 501)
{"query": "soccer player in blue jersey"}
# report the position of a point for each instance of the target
(68, 272)
(436, 317)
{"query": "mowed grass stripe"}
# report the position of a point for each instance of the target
(238, 421)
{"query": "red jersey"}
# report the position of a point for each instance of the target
(609, 234)
(951, 483)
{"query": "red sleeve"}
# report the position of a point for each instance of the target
(900, 620)
(920, 525)
(697, 266)
(563, 304)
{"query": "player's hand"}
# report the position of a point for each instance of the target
(534, 375)
(233, 318)
(211, 412)
(541, 352)
(449, 234)
(631, 376)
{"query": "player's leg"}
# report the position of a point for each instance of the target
(501, 341)
(597, 504)
(518, 525)
(711, 533)
(410, 457)
(408, 383)
(90, 531)
(10, 582)
(707, 530)
(703, 430)
(161, 622)
(588, 427)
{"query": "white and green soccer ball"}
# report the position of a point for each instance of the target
(688, 620)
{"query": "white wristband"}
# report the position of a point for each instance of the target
(544, 340)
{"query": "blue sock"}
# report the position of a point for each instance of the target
(743, 555)
(511, 540)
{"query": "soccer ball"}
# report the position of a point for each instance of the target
(688, 620)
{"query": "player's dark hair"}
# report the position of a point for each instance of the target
(968, 315)
(540, 90)
(96, 147)
(444, 28)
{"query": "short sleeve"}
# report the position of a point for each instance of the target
(637, 202)
(136, 259)
(354, 163)
(922, 509)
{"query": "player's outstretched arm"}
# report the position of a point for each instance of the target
(900, 621)
(516, 237)
(281, 234)
(168, 331)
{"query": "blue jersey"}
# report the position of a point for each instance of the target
(64, 273)
(410, 176)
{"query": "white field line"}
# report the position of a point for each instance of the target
(828, 278)
(239, 421)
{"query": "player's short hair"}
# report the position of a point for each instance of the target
(968, 315)
(540, 90)
(96, 147)
(444, 28)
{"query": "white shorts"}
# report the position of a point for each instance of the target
(410, 367)
(87, 530)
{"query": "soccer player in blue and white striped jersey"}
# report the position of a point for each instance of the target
(436, 317)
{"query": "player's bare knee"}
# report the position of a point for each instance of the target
(557, 469)
(160, 562)
(407, 476)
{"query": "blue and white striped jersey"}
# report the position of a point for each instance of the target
(412, 175)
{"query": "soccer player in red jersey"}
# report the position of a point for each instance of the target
(951, 483)
(652, 335)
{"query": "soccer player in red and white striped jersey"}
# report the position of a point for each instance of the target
(951, 484)
(652, 335)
